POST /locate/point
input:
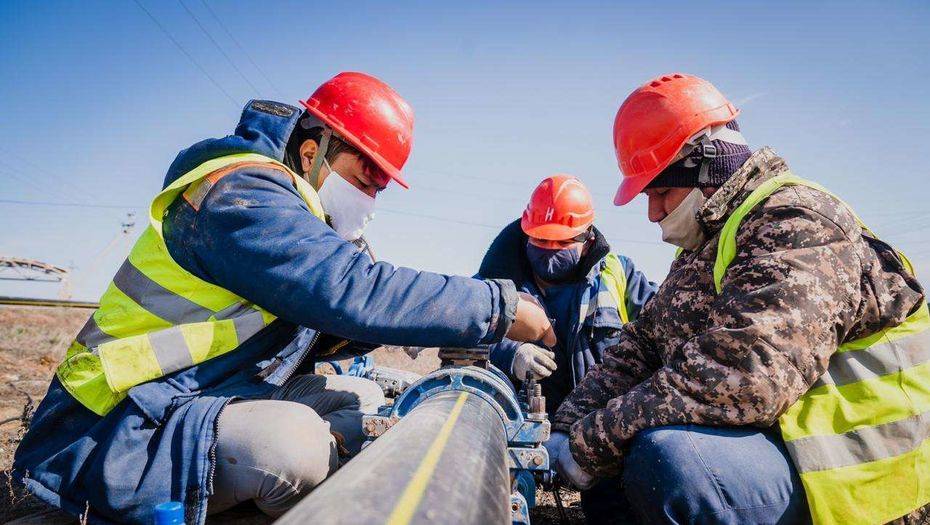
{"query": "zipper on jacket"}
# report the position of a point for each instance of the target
(216, 423)
(302, 358)
(212, 454)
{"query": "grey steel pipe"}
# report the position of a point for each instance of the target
(444, 462)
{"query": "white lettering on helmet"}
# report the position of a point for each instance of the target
(549, 213)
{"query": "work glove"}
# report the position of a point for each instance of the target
(531, 322)
(569, 470)
(554, 446)
(533, 359)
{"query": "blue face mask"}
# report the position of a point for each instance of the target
(553, 265)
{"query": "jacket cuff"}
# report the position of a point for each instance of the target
(558, 426)
(590, 452)
(502, 355)
(506, 310)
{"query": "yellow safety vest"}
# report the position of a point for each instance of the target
(156, 318)
(612, 288)
(859, 436)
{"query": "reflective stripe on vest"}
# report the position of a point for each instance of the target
(860, 437)
(156, 318)
(612, 289)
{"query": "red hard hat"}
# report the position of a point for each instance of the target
(656, 121)
(559, 209)
(370, 116)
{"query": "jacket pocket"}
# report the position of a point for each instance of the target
(157, 400)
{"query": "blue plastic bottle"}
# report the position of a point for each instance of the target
(171, 513)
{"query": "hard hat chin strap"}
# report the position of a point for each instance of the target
(313, 176)
(703, 143)
(708, 154)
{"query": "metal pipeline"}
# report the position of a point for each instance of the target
(444, 461)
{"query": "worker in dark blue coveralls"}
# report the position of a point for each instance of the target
(191, 381)
(556, 254)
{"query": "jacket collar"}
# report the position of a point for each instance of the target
(760, 167)
(506, 258)
(264, 128)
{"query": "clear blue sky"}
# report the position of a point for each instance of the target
(97, 102)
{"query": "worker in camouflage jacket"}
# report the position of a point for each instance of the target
(686, 406)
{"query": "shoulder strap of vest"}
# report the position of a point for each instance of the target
(614, 278)
(726, 246)
(213, 170)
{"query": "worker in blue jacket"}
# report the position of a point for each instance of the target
(556, 254)
(193, 380)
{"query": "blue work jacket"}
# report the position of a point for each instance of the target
(255, 236)
(581, 343)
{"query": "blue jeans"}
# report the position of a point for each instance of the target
(698, 474)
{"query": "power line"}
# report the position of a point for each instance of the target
(56, 183)
(218, 47)
(438, 218)
(22, 179)
(495, 227)
(241, 48)
(188, 55)
(70, 204)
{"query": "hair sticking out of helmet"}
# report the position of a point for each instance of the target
(656, 120)
(560, 208)
(370, 116)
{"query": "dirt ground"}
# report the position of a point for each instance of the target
(32, 343)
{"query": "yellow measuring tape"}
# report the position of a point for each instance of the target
(410, 499)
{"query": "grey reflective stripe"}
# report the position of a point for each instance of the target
(170, 350)
(248, 325)
(234, 310)
(157, 299)
(605, 299)
(91, 335)
(867, 444)
(877, 360)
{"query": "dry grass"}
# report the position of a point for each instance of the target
(34, 340)
(32, 343)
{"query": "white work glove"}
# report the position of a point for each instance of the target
(554, 446)
(532, 358)
(569, 470)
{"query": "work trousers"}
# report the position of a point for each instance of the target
(275, 451)
(701, 475)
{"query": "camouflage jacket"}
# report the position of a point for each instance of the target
(805, 278)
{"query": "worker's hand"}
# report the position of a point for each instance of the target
(569, 470)
(530, 358)
(554, 446)
(531, 322)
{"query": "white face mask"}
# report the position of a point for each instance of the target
(349, 208)
(681, 227)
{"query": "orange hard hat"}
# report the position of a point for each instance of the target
(560, 208)
(656, 121)
(370, 116)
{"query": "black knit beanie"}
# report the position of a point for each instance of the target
(722, 158)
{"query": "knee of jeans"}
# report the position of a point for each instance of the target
(371, 396)
(364, 392)
(305, 451)
(663, 475)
